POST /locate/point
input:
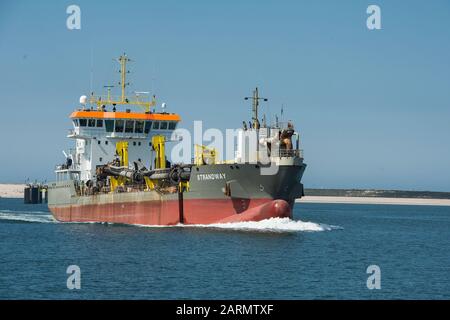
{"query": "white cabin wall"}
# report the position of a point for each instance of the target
(136, 152)
(95, 146)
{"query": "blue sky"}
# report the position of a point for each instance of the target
(373, 107)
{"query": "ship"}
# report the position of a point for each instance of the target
(119, 170)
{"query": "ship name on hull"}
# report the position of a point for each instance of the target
(211, 176)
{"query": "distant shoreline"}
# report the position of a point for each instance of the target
(374, 193)
(11, 190)
(353, 196)
(375, 200)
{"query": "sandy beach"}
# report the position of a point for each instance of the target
(374, 200)
(11, 190)
(16, 191)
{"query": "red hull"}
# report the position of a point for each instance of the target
(194, 211)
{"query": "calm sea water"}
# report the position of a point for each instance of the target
(323, 254)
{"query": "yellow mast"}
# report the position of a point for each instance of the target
(124, 100)
(123, 71)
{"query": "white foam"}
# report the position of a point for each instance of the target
(269, 225)
(27, 216)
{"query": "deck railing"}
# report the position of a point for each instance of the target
(289, 153)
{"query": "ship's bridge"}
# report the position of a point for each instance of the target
(123, 125)
(98, 132)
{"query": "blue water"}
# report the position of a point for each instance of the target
(324, 259)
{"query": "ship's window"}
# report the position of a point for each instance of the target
(163, 125)
(91, 123)
(109, 124)
(129, 126)
(139, 127)
(99, 142)
(119, 126)
(99, 123)
(101, 159)
(75, 123)
(172, 125)
(134, 143)
(83, 122)
(139, 143)
(148, 125)
(106, 142)
(156, 125)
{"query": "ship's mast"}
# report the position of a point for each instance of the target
(255, 105)
(123, 73)
(123, 99)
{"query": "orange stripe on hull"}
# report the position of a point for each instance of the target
(201, 211)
